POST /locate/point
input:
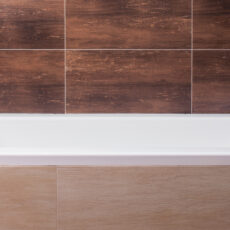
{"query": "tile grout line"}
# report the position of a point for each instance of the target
(191, 56)
(128, 49)
(211, 49)
(57, 211)
(113, 49)
(65, 54)
(31, 49)
(65, 81)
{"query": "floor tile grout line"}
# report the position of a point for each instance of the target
(191, 56)
(65, 54)
(57, 211)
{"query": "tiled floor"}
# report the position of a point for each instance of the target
(124, 198)
(28, 198)
(143, 198)
(132, 56)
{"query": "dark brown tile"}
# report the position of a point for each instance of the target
(32, 81)
(211, 82)
(31, 24)
(211, 24)
(128, 23)
(144, 198)
(128, 81)
(28, 198)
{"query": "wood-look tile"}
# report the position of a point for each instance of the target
(144, 198)
(211, 82)
(128, 24)
(128, 81)
(31, 24)
(28, 198)
(32, 81)
(211, 24)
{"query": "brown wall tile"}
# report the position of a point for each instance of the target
(211, 82)
(31, 24)
(31, 81)
(128, 24)
(28, 198)
(128, 81)
(211, 24)
(144, 198)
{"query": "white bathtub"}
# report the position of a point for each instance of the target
(114, 140)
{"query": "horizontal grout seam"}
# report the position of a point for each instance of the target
(114, 49)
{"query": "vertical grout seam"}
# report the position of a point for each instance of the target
(191, 56)
(57, 211)
(65, 55)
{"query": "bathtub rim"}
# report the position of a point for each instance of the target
(207, 157)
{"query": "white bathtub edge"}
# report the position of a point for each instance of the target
(188, 160)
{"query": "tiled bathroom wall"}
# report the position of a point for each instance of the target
(123, 56)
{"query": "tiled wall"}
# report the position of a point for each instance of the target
(123, 56)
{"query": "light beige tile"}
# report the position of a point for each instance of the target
(144, 198)
(28, 198)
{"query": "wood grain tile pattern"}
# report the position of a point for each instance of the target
(211, 82)
(144, 198)
(211, 24)
(31, 24)
(128, 24)
(31, 81)
(28, 198)
(128, 81)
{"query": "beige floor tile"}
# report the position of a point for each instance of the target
(144, 198)
(28, 198)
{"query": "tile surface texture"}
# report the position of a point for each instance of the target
(31, 24)
(211, 82)
(128, 24)
(211, 24)
(28, 198)
(123, 56)
(144, 198)
(31, 81)
(128, 81)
